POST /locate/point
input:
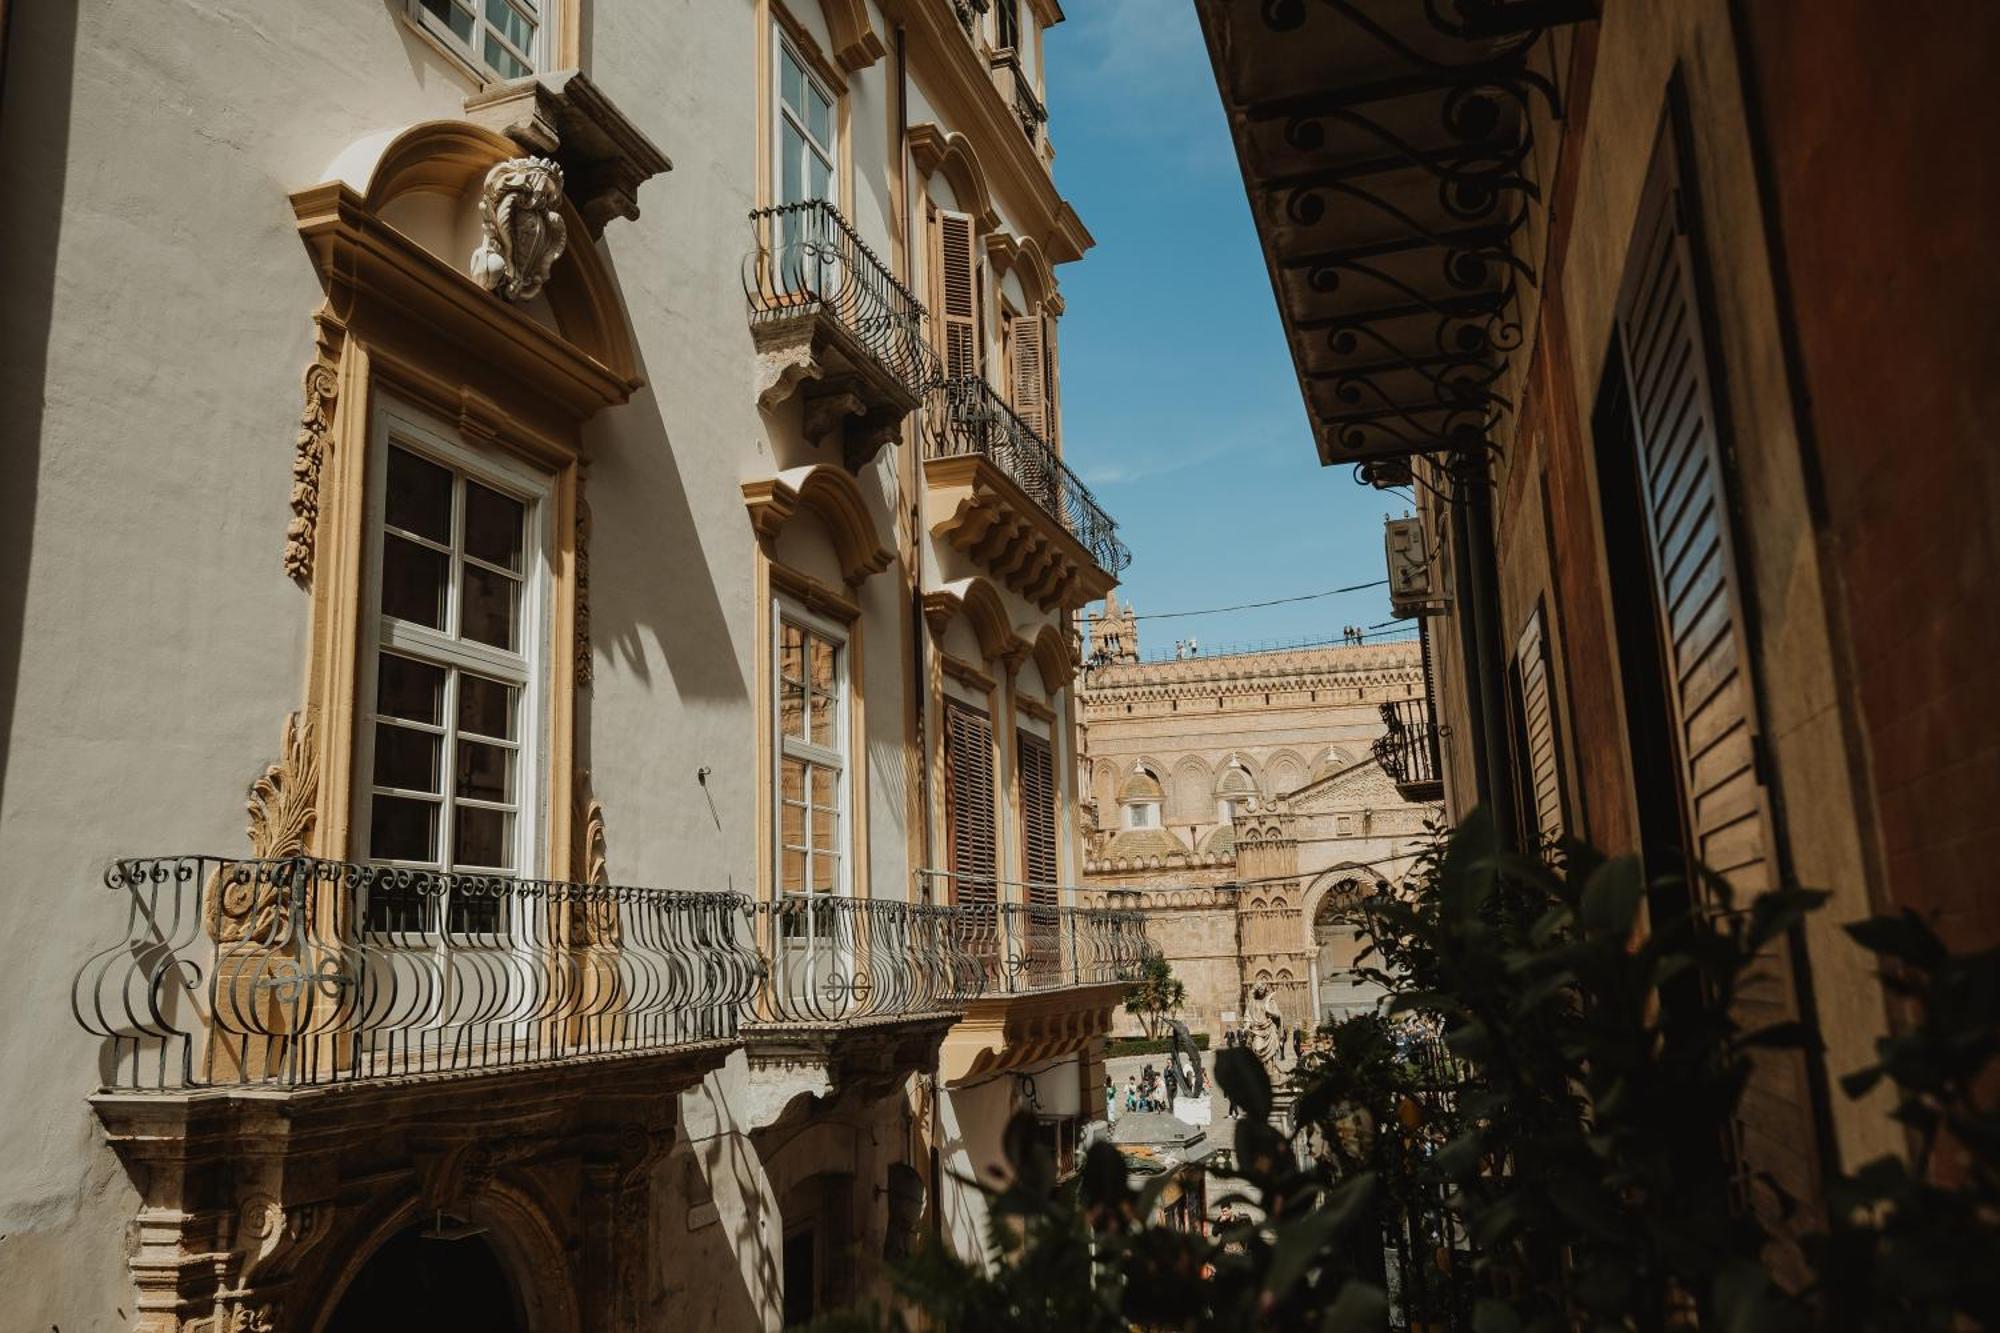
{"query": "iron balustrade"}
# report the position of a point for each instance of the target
(302, 972)
(1035, 943)
(809, 261)
(967, 417)
(1028, 108)
(832, 959)
(1408, 749)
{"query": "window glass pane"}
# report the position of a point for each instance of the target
(403, 829)
(494, 525)
(458, 20)
(415, 580)
(482, 838)
(792, 872)
(826, 874)
(418, 497)
(486, 706)
(819, 116)
(791, 79)
(791, 154)
(824, 668)
(819, 177)
(825, 825)
(406, 758)
(516, 27)
(792, 825)
(410, 689)
(792, 780)
(485, 772)
(825, 787)
(488, 611)
(823, 720)
(502, 62)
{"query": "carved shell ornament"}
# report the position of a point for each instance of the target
(520, 214)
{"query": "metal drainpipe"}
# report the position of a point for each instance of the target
(1464, 594)
(1476, 485)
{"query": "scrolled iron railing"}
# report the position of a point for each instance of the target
(809, 260)
(1035, 943)
(1408, 748)
(832, 959)
(302, 972)
(966, 416)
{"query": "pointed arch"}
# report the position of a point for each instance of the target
(831, 495)
(940, 150)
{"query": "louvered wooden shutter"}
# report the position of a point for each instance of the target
(1030, 372)
(957, 300)
(1539, 763)
(1698, 600)
(1038, 818)
(973, 844)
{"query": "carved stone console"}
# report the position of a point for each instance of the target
(862, 1060)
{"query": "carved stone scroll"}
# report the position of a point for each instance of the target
(315, 437)
(520, 217)
(241, 903)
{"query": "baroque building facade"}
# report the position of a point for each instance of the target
(595, 472)
(1237, 800)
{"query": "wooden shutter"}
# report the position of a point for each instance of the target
(1029, 372)
(1038, 818)
(1539, 761)
(1701, 620)
(973, 846)
(957, 299)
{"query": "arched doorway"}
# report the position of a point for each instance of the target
(440, 1274)
(1339, 991)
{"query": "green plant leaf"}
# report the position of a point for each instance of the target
(1300, 1243)
(1244, 1081)
(1361, 1307)
(1611, 898)
(1904, 937)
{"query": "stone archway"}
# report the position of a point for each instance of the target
(1338, 992)
(441, 1274)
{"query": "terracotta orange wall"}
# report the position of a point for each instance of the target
(1880, 170)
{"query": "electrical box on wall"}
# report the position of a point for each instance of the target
(1413, 589)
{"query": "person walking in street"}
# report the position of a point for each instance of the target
(1110, 1100)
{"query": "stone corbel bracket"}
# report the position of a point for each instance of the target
(605, 157)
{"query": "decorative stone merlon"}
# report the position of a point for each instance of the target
(520, 217)
(565, 116)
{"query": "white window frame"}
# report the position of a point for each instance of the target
(542, 13)
(401, 426)
(781, 115)
(1142, 814)
(838, 757)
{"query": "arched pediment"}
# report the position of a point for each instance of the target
(369, 264)
(832, 496)
(947, 151)
(1038, 279)
(856, 44)
(982, 605)
(1050, 649)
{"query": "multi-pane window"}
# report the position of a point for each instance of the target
(499, 37)
(806, 142)
(812, 755)
(1007, 24)
(451, 684)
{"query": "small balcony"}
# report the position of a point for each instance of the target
(1408, 750)
(835, 327)
(1052, 974)
(1007, 499)
(1021, 95)
(301, 973)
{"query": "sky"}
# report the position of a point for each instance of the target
(1180, 407)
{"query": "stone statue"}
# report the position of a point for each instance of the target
(520, 214)
(1264, 1030)
(1186, 1056)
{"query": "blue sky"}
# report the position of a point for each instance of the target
(1180, 408)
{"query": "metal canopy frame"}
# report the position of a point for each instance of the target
(1387, 148)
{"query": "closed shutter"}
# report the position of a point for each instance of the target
(1700, 617)
(973, 847)
(1029, 372)
(1539, 762)
(1038, 818)
(957, 298)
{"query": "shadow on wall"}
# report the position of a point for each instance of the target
(741, 1241)
(37, 55)
(648, 570)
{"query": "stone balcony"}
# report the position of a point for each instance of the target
(1003, 496)
(834, 327)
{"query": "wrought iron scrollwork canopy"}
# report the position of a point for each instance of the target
(1388, 149)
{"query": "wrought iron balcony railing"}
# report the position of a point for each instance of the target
(1028, 107)
(833, 960)
(967, 417)
(809, 261)
(1035, 943)
(1408, 750)
(302, 972)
